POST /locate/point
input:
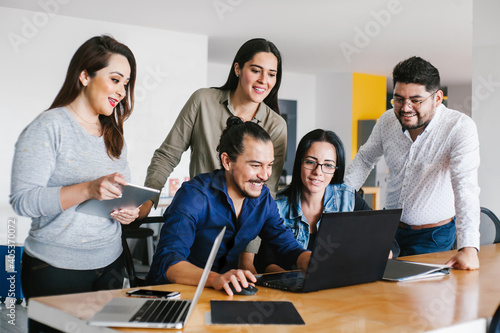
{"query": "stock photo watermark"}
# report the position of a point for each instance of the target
(265, 310)
(86, 308)
(222, 7)
(484, 89)
(10, 268)
(262, 311)
(92, 303)
(434, 309)
(363, 36)
(31, 26)
(153, 78)
(322, 252)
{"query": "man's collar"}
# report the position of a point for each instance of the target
(435, 119)
(431, 124)
(437, 116)
(219, 182)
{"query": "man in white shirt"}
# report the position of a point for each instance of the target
(433, 156)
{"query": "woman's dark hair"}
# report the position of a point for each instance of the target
(92, 56)
(317, 135)
(231, 139)
(416, 70)
(245, 54)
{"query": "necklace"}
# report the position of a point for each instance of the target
(98, 128)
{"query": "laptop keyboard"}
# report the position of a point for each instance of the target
(162, 311)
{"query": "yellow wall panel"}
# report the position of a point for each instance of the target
(368, 101)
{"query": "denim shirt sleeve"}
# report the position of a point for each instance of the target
(339, 198)
(279, 238)
(292, 216)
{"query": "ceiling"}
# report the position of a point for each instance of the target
(316, 36)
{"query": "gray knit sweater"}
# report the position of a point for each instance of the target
(52, 152)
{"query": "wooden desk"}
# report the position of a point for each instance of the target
(374, 307)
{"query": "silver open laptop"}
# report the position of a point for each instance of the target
(154, 313)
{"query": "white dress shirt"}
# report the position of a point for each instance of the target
(432, 178)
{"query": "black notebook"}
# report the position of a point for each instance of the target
(400, 270)
(254, 313)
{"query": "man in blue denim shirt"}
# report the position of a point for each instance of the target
(234, 197)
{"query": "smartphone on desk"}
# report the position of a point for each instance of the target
(153, 293)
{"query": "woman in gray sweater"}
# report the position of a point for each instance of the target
(70, 153)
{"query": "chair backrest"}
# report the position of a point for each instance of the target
(495, 322)
(133, 230)
(489, 227)
(134, 280)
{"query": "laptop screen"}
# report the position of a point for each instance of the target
(351, 248)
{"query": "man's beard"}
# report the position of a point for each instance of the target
(418, 125)
(243, 191)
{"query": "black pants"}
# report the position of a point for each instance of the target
(41, 279)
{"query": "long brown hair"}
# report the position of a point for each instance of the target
(92, 56)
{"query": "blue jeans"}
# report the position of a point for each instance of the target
(428, 240)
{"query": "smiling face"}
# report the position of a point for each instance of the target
(246, 176)
(107, 87)
(315, 181)
(257, 77)
(413, 120)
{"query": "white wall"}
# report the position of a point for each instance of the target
(302, 88)
(217, 74)
(334, 106)
(459, 97)
(299, 87)
(171, 66)
(486, 97)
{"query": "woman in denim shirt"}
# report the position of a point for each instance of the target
(317, 187)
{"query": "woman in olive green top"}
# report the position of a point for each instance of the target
(251, 93)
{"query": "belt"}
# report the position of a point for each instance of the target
(424, 226)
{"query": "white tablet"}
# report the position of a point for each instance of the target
(132, 197)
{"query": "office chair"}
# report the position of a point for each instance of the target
(495, 322)
(134, 231)
(489, 227)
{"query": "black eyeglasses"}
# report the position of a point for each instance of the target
(325, 167)
(414, 104)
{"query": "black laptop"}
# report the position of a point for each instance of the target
(350, 248)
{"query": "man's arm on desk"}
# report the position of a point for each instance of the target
(303, 260)
(466, 258)
(184, 272)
